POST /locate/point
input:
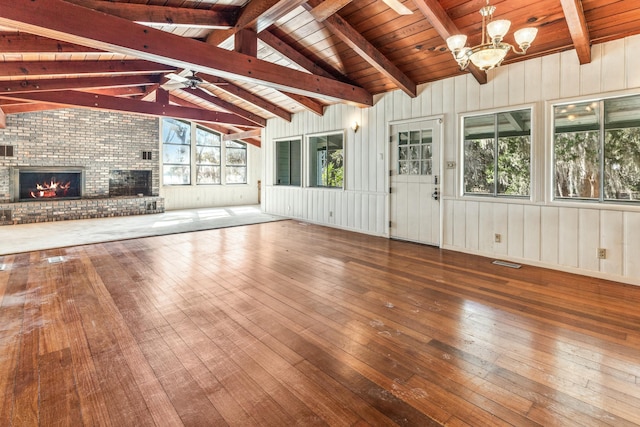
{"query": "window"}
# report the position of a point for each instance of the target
(288, 162)
(326, 161)
(415, 152)
(497, 154)
(236, 159)
(207, 157)
(185, 145)
(597, 150)
(176, 149)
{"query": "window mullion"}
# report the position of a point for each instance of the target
(601, 155)
(495, 155)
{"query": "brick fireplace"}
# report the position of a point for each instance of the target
(74, 164)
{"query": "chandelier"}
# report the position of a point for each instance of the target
(493, 50)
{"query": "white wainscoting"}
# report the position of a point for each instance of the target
(537, 231)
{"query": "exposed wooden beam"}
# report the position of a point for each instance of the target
(345, 32)
(3, 119)
(256, 15)
(306, 102)
(242, 135)
(68, 22)
(294, 55)
(232, 108)
(121, 91)
(246, 41)
(29, 43)
(51, 68)
(39, 85)
(574, 15)
(112, 103)
(30, 107)
(445, 27)
(225, 17)
(224, 130)
(247, 96)
(162, 96)
(328, 8)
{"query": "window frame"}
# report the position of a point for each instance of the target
(193, 163)
(163, 144)
(298, 139)
(198, 164)
(601, 200)
(243, 166)
(532, 154)
(307, 152)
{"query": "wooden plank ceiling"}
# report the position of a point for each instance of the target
(261, 59)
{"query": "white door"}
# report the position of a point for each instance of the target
(415, 182)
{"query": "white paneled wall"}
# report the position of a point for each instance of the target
(537, 231)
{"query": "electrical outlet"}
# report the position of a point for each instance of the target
(497, 238)
(602, 253)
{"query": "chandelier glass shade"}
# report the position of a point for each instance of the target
(492, 51)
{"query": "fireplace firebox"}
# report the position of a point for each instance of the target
(49, 183)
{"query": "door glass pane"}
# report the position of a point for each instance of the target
(403, 138)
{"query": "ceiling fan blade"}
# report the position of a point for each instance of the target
(176, 77)
(172, 86)
(398, 7)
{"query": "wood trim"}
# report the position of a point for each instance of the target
(112, 103)
(577, 23)
(445, 27)
(348, 35)
(76, 24)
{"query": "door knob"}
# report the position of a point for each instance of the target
(435, 195)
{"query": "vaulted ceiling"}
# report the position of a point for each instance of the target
(233, 64)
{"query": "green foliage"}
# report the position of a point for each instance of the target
(333, 173)
(513, 166)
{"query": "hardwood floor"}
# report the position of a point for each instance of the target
(286, 323)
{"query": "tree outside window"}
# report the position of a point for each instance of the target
(597, 150)
(207, 157)
(326, 160)
(236, 163)
(497, 154)
(176, 152)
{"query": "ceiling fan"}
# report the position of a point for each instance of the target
(183, 82)
(400, 8)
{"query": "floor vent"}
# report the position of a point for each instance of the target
(6, 150)
(152, 206)
(55, 259)
(506, 264)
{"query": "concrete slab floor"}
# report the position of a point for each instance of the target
(48, 235)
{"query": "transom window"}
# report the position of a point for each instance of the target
(497, 154)
(194, 153)
(415, 152)
(597, 150)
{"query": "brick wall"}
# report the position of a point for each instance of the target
(95, 140)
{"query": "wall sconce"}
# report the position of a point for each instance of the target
(355, 126)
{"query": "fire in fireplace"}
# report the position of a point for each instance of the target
(49, 184)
